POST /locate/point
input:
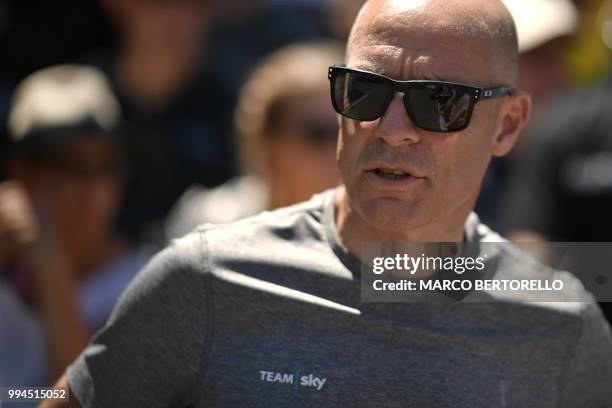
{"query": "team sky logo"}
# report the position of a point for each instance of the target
(296, 380)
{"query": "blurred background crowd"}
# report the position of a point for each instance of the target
(125, 123)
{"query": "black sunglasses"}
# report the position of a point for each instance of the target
(434, 106)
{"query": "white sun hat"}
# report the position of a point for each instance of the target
(540, 21)
(61, 97)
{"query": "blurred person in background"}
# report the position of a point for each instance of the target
(176, 114)
(62, 268)
(287, 134)
(561, 185)
(561, 189)
(546, 29)
(562, 170)
(246, 31)
(590, 58)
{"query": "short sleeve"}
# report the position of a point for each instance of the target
(152, 350)
(588, 376)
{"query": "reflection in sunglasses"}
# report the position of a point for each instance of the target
(450, 111)
(356, 92)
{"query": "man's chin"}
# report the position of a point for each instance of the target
(394, 215)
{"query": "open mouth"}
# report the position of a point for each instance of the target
(391, 174)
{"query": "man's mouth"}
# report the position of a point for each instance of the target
(391, 174)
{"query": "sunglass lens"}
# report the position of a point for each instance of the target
(439, 108)
(359, 96)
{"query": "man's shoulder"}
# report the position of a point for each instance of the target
(268, 233)
(544, 287)
(523, 263)
(269, 222)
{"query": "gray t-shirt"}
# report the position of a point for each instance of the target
(266, 312)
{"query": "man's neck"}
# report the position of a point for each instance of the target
(353, 231)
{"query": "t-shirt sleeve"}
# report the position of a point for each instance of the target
(588, 377)
(153, 348)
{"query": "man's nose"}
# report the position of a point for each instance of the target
(395, 126)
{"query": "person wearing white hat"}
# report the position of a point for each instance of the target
(544, 29)
(58, 251)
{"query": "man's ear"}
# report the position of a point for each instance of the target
(513, 117)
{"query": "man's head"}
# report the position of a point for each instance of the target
(471, 42)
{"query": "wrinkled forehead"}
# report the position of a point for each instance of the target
(404, 47)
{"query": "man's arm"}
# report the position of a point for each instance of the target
(150, 351)
(30, 243)
(72, 403)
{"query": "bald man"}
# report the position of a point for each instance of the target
(267, 311)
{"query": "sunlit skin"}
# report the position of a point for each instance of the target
(411, 40)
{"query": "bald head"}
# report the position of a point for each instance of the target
(477, 35)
